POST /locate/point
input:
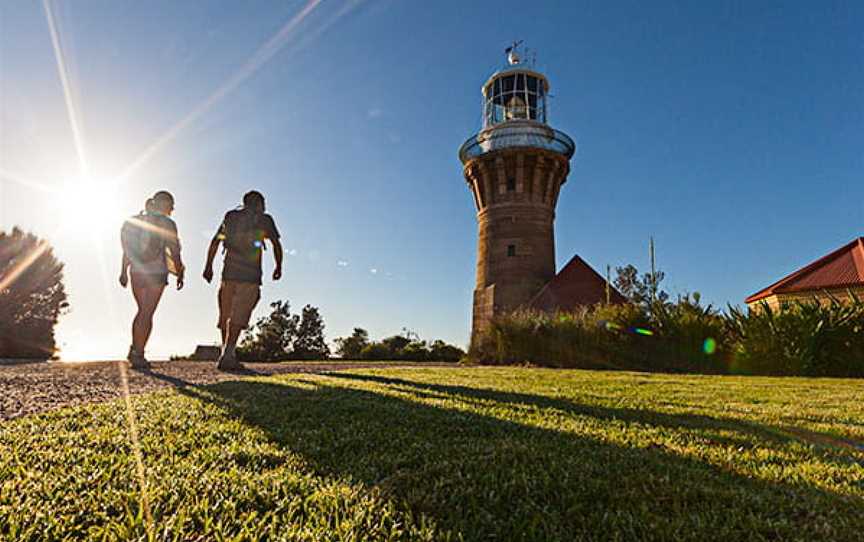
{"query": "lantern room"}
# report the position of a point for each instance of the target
(514, 94)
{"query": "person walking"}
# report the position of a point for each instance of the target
(243, 232)
(151, 249)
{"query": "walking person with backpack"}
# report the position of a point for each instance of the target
(243, 232)
(151, 249)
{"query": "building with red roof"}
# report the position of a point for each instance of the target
(575, 285)
(836, 275)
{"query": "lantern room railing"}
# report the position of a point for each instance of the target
(517, 134)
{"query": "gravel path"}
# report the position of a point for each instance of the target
(38, 387)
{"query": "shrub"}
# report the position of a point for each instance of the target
(800, 338)
(657, 337)
(808, 339)
(375, 351)
(351, 347)
(599, 337)
(405, 347)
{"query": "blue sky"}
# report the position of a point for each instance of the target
(730, 131)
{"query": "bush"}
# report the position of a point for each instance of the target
(404, 347)
(662, 337)
(590, 338)
(807, 339)
(375, 351)
(351, 347)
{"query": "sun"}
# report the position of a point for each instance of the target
(89, 206)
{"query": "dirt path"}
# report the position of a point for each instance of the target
(38, 387)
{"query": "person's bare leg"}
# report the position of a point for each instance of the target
(230, 342)
(142, 325)
(141, 300)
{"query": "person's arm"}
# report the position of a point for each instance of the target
(214, 247)
(273, 235)
(124, 270)
(211, 255)
(174, 244)
(277, 255)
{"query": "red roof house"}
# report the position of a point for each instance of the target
(833, 275)
(575, 285)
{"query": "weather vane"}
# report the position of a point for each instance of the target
(512, 53)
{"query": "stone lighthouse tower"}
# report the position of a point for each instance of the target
(515, 168)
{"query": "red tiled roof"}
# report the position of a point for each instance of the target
(577, 284)
(843, 268)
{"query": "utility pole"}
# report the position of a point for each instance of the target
(653, 270)
(608, 279)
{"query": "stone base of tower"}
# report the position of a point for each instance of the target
(483, 312)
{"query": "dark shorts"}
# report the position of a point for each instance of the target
(149, 280)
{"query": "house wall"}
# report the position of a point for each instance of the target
(823, 296)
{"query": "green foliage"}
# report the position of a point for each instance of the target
(350, 347)
(640, 291)
(807, 339)
(801, 338)
(375, 351)
(282, 335)
(32, 296)
(447, 455)
(310, 342)
(272, 337)
(595, 338)
(405, 347)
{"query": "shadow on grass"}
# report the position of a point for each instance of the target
(484, 477)
(648, 417)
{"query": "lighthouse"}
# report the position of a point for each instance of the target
(515, 167)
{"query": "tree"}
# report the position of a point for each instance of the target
(639, 290)
(310, 342)
(375, 351)
(32, 296)
(408, 347)
(395, 345)
(272, 337)
(441, 351)
(350, 347)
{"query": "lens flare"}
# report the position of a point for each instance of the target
(261, 56)
(63, 72)
(642, 331)
(709, 346)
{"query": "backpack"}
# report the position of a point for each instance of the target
(241, 232)
(141, 238)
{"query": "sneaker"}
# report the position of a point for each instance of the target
(137, 360)
(228, 362)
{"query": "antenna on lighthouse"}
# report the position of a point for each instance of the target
(512, 54)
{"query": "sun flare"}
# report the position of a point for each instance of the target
(89, 206)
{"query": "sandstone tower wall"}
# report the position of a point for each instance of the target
(515, 193)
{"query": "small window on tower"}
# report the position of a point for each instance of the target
(511, 250)
(511, 184)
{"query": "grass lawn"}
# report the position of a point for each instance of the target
(448, 453)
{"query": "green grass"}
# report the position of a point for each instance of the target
(449, 453)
